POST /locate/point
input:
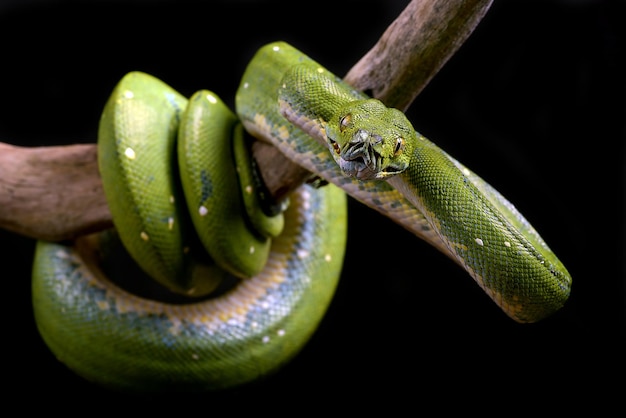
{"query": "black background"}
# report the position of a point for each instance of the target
(534, 101)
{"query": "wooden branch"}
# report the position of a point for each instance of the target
(414, 48)
(55, 193)
(51, 193)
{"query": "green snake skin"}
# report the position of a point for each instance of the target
(253, 287)
(368, 149)
(242, 332)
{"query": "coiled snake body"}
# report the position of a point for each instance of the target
(285, 267)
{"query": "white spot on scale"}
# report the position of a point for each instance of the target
(328, 258)
(170, 223)
(203, 211)
(466, 172)
(61, 254)
(266, 339)
(130, 153)
(144, 236)
(280, 332)
(246, 85)
(302, 254)
(211, 98)
(249, 189)
(172, 200)
(129, 94)
(194, 356)
(306, 200)
(507, 244)
(320, 70)
(479, 242)
(276, 48)
(252, 249)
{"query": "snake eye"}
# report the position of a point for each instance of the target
(399, 146)
(344, 122)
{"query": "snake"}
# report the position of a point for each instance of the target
(255, 277)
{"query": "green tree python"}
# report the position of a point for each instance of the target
(256, 281)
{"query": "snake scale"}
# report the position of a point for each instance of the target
(254, 282)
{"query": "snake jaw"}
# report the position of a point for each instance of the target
(361, 158)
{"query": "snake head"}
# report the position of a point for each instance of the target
(369, 140)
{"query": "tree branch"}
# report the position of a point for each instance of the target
(55, 193)
(51, 193)
(414, 48)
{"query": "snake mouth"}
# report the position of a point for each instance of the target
(360, 160)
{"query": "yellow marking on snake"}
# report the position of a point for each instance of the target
(283, 132)
(261, 124)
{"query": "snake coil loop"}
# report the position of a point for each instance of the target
(286, 269)
(285, 266)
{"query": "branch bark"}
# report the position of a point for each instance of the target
(414, 48)
(55, 193)
(52, 193)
